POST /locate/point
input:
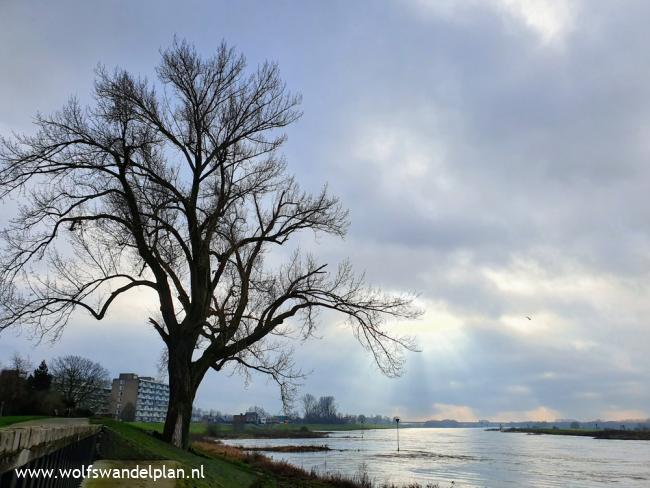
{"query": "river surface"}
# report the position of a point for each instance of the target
(474, 458)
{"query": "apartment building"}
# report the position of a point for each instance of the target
(139, 398)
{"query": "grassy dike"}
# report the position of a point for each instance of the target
(125, 446)
(128, 444)
(223, 466)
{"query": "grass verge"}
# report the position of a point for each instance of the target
(277, 474)
(15, 419)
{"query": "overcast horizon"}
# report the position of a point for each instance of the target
(494, 156)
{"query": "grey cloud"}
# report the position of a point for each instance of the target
(497, 149)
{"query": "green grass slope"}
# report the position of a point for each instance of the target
(218, 472)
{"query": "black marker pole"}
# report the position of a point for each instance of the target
(397, 425)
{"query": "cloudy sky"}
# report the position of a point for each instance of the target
(494, 155)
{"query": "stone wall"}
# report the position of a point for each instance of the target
(20, 445)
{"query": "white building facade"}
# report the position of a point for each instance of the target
(148, 398)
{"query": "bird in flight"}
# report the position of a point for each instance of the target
(528, 317)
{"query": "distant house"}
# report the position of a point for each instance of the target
(238, 422)
(12, 374)
(248, 418)
(252, 418)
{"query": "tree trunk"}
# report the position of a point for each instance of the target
(182, 390)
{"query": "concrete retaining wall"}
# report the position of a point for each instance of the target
(20, 445)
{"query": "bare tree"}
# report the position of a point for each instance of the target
(177, 187)
(14, 391)
(258, 410)
(327, 408)
(21, 364)
(80, 381)
(309, 406)
(128, 412)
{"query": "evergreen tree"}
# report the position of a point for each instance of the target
(41, 380)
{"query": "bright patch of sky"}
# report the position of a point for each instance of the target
(494, 158)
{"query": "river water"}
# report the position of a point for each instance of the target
(474, 458)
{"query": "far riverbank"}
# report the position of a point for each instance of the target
(633, 435)
(263, 431)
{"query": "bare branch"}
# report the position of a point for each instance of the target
(177, 186)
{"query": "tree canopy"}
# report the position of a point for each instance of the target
(178, 187)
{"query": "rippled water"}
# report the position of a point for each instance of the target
(475, 458)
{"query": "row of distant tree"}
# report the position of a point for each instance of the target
(324, 410)
(68, 385)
